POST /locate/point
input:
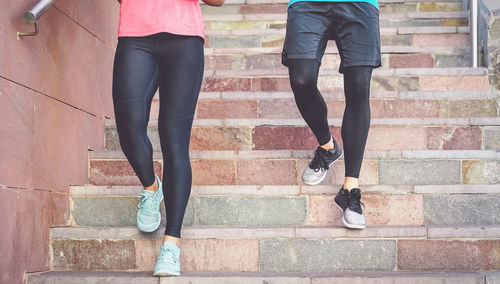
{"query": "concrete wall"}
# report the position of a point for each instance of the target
(55, 91)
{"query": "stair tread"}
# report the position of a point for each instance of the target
(429, 232)
(264, 277)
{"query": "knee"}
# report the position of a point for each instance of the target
(304, 81)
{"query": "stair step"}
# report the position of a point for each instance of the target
(394, 205)
(371, 232)
(307, 250)
(433, 36)
(289, 190)
(437, 277)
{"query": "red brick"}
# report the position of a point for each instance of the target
(454, 83)
(115, 173)
(411, 61)
(266, 172)
(380, 210)
(397, 138)
(283, 137)
(411, 108)
(227, 109)
(220, 255)
(450, 138)
(216, 84)
(213, 172)
(271, 84)
(448, 255)
(451, 40)
(221, 138)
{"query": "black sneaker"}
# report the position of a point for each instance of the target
(349, 202)
(322, 161)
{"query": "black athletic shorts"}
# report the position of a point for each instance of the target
(353, 25)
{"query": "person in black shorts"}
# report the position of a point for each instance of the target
(355, 28)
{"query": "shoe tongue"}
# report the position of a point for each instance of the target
(355, 192)
(148, 193)
(171, 245)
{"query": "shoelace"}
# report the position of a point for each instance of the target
(319, 161)
(354, 201)
(146, 201)
(343, 198)
(170, 252)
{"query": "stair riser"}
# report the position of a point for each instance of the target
(335, 83)
(384, 8)
(380, 138)
(380, 108)
(276, 39)
(272, 62)
(280, 255)
(242, 24)
(289, 171)
(298, 210)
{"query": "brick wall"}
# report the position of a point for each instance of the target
(55, 91)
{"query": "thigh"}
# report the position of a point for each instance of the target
(357, 34)
(307, 30)
(181, 63)
(135, 72)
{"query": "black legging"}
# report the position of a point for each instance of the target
(173, 63)
(356, 122)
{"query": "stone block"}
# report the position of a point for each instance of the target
(283, 255)
(420, 172)
(411, 108)
(244, 211)
(234, 41)
(451, 138)
(491, 138)
(227, 109)
(266, 172)
(468, 108)
(217, 84)
(221, 138)
(450, 61)
(283, 137)
(454, 83)
(411, 61)
(213, 172)
(461, 209)
(84, 255)
(396, 138)
(449, 40)
(115, 172)
(481, 171)
(380, 83)
(448, 255)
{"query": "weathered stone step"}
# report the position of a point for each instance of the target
(280, 7)
(390, 141)
(400, 79)
(442, 36)
(278, 21)
(292, 205)
(243, 107)
(313, 251)
(437, 277)
(408, 58)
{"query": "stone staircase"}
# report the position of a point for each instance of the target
(430, 178)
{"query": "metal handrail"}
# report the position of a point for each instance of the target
(31, 17)
(474, 34)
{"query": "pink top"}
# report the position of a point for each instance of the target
(147, 17)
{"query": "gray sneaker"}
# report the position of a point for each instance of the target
(316, 171)
(349, 202)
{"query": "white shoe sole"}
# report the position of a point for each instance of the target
(350, 226)
(156, 227)
(324, 174)
(163, 273)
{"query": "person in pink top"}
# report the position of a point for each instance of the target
(160, 45)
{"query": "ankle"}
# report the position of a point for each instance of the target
(329, 145)
(176, 241)
(350, 183)
(153, 187)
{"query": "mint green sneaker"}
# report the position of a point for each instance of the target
(148, 215)
(168, 262)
